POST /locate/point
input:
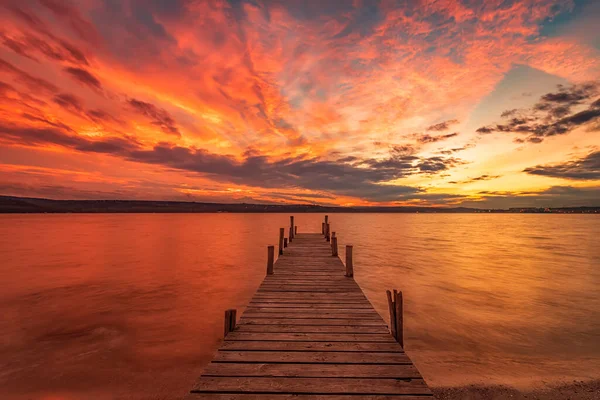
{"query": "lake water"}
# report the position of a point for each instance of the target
(131, 306)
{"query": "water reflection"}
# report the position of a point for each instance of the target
(132, 305)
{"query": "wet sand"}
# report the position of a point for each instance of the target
(577, 390)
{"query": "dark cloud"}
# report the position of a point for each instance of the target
(586, 168)
(69, 102)
(363, 178)
(427, 138)
(34, 84)
(70, 14)
(552, 115)
(442, 126)
(555, 196)
(159, 116)
(85, 77)
(484, 177)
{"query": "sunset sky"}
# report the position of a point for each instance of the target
(491, 103)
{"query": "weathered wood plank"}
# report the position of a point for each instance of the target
(311, 385)
(312, 329)
(311, 337)
(280, 396)
(324, 357)
(313, 370)
(311, 346)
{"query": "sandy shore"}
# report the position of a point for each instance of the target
(577, 390)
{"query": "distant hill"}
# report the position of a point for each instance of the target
(12, 204)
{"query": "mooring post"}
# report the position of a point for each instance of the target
(230, 319)
(349, 266)
(327, 233)
(326, 219)
(281, 234)
(295, 230)
(395, 305)
(334, 249)
(322, 228)
(291, 227)
(270, 259)
(399, 319)
(284, 242)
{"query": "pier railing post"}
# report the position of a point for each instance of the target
(285, 242)
(349, 265)
(295, 230)
(322, 228)
(327, 232)
(291, 227)
(230, 319)
(281, 234)
(334, 248)
(395, 305)
(270, 259)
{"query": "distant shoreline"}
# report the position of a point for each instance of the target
(28, 205)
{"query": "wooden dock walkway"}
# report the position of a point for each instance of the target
(309, 332)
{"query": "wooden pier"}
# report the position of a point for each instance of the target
(309, 332)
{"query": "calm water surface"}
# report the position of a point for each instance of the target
(131, 306)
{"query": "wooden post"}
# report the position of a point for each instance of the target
(326, 219)
(291, 227)
(295, 230)
(284, 242)
(291, 234)
(281, 234)
(334, 248)
(349, 266)
(322, 228)
(230, 319)
(399, 319)
(395, 304)
(270, 259)
(327, 230)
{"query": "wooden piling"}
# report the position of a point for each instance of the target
(322, 228)
(295, 230)
(395, 305)
(281, 235)
(285, 242)
(270, 259)
(334, 247)
(291, 227)
(327, 232)
(399, 319)
(230, 320)
(349, 265)
(326, 219)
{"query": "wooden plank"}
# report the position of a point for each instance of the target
(312, 329)
(313, 370)
(310, 321)
(311, 337)
(311, 346)
(329, 314)
(280, 396)
(311, 385)
(322, 357)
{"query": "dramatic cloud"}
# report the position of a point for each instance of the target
(426, 138)
(586, 168)
(292, 100)
(484, 177)
(552, 115)
(442, 126)
(84, 77)
(158, 116)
